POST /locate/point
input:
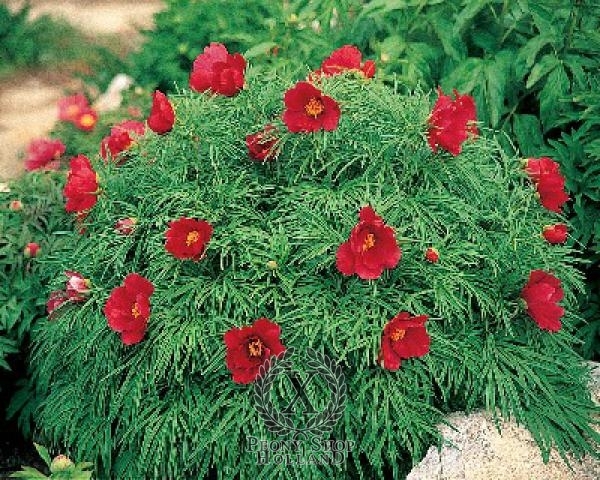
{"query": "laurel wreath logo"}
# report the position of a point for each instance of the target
(321, 423)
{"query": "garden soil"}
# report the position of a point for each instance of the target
(28, 100)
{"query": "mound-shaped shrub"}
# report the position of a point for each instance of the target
(407, 268)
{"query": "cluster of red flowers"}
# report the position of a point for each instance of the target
(77, 110)
(218, 71)
(77, 290)
(44, 154)
(549, 182)
(370, 249)
(121, 138)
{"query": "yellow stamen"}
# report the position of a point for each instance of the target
(192, 237)
(314, 107)
(255, 347)
(135, 310)
(87, 120)
(398, 334)
(369, 242)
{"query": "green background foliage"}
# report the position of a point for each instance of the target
(127, 406)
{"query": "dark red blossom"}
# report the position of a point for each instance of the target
(249, 346)
(44, 154)
(187, 238)
(404, 336)
(69, 108)
(371, 248)
(432, 255)
(81, 189)
(121, 137)
(451, 122)
(218, 71)
(261, 144)
(128, 308)
(86, 120)
(55, 300)
(308, 110)
(536, 167)
(162, 115)
(549, 182)
(125, 226)
(542, 293)
(556, 233)
(78, 287)
(31, 250)
(347, 58)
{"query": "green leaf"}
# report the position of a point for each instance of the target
(465, 76)
(261, 49)
(497, 73)
(466, 16)
(28, 473)
(43, 452)
(528, 131)
(552, 97)
(547, 63)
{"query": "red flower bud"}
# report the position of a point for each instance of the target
(125, 226)
(432, 255)
(15, 205)
(260, 144)
(31, 250)
(556, 233)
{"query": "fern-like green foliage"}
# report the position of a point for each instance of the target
(167, 407)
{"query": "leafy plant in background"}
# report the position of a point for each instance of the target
(140, 365)
(61, 467)
(31, 212)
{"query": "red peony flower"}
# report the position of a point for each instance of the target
(403, 336)
(55, 300)
(536, 167)
(248, 347)
(261, 144)
(551, 189)
(308, 110)
(125, 226)
(128, 308)
(81, 190)
(15, 205)
(372, 247)
(44, 154)
(78, 287)
(187, 238)
(162, 115)
(542, 294)
(347, 58)
(86, 120)
(556, 233)
(432, 255)
(121, 138)
(69, 108)
(32, 249)
(451, 122)
(218, 71)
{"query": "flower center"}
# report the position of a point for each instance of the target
(369, 242)
(255, 347)
(192, 237)
(314, 107)
(135, 310)
(398, 334)
(87, 120)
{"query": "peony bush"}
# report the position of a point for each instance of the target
(331, 215)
